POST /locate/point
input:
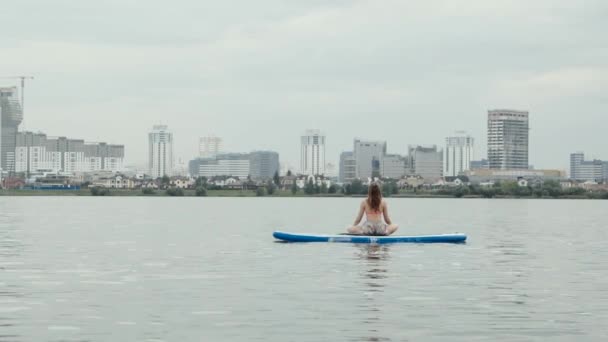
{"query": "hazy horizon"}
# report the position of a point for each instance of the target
(258, 74)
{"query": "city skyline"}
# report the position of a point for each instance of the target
(507, 130)
(411, 75)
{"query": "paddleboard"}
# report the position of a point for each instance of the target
(442, 238)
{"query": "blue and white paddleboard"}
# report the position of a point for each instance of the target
(443, 238)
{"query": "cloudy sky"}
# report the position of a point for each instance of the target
(258, 73)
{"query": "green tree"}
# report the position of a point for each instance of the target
(260, 191)
(487, 192)
(347, 189)
(474, 189)
(523, 191)
(309, 189)
(539, 192)
(332, 189)
(148, 191)
(276, 178)
(324, 188)
(294, 187)
(200, 191)
(98, 191)
(270, 187)
(165, 181)
(201, 181)
(395, 188)
(509, 188)
(575, 191)
(288, 173)
(175, 192)
(553, 188)
(387, 189)
(461, 191)
(356, 187)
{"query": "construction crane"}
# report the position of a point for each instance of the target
(22, 78)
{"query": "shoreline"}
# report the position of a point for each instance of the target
(250, 193)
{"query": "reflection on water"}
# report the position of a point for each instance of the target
(374, 275)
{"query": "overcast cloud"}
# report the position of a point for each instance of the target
(258, 73)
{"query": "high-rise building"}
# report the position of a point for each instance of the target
(11, 115)
(426, 161)
(368, 155)
(458, 154)
(209, 147)
(312, 154)
(508, 132)
(582, 170)
(394, 166)
(36, 152)
(263, 164)
(226, 164)
(348, 167)
(160, 157)
(576, 159)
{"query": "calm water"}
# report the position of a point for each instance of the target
(207, 269)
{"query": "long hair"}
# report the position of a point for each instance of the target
(374, 196)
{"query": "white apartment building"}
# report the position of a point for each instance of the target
(368, 155)
(427, 161)
(587, 170)
(458, 154)
(312, 154)
(508, 133)
(114, 164)
(393, 166)
(36, 151)
(160, 157)
(229, 164)
(209, 146)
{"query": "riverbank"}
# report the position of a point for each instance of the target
(251, 193)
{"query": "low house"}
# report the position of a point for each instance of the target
(301, 181)
(522, 182)
(288, 181)
(233, 183)
(225, 181)
(149, 184)
(114, 182)
(591, 186)
(456, 181)
(436, 183)
(369, 181)
(596, 187)
(410, 182)
(181, 182)
(568, 184)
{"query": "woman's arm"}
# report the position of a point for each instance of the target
(385, 211)
(360, 215)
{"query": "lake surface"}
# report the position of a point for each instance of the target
(207, 269)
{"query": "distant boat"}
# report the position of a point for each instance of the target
(52, 187)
